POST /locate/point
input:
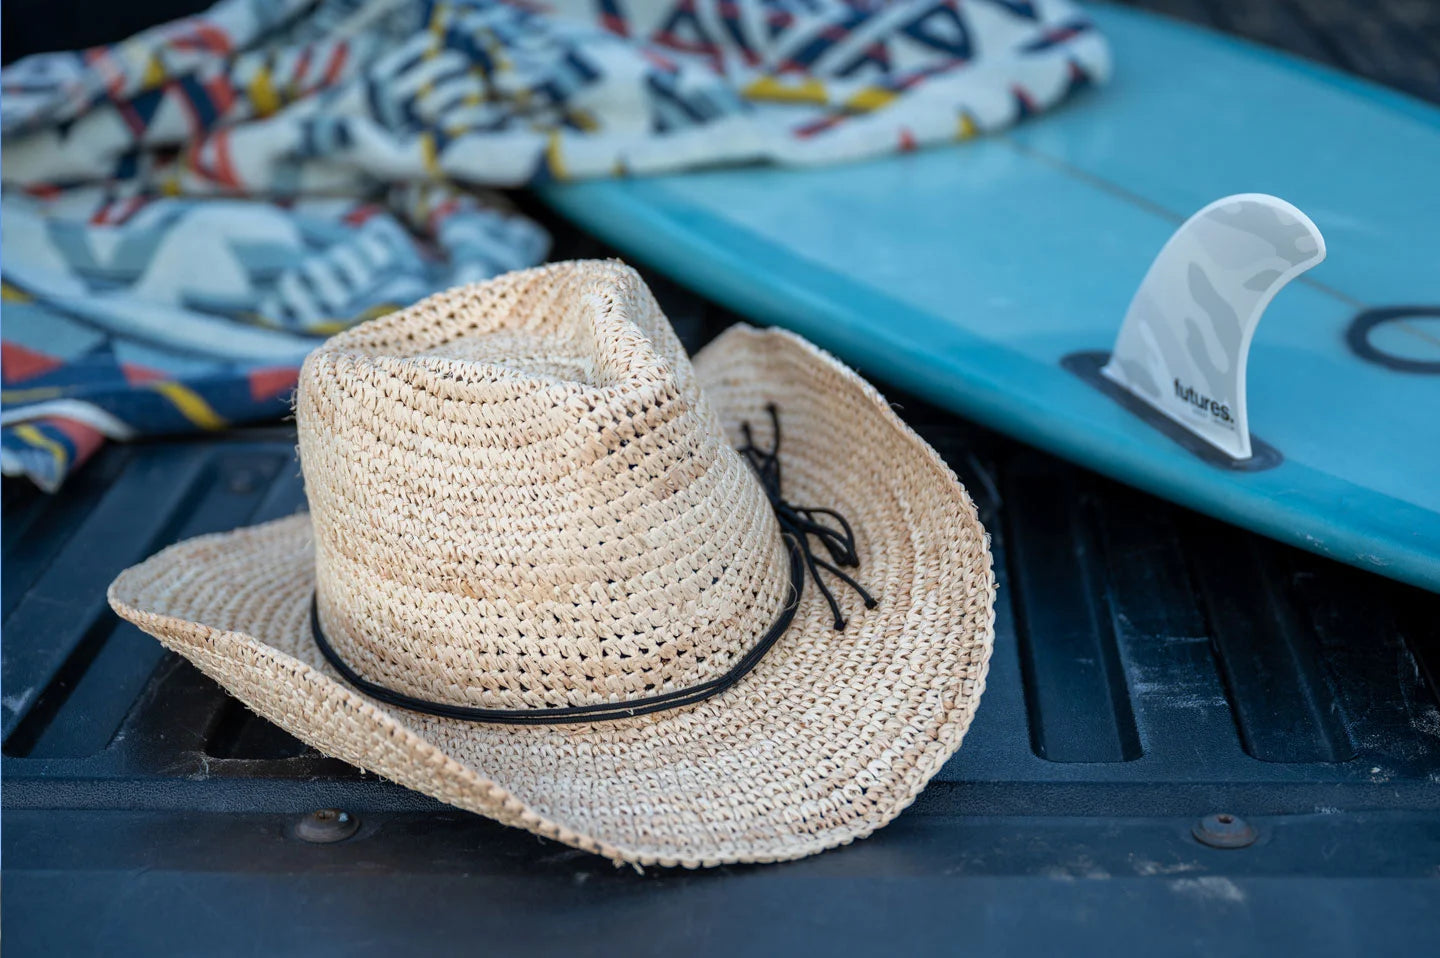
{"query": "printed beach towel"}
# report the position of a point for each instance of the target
(188, 211)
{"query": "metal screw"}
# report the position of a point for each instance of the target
(326, 825)
(1224, 830)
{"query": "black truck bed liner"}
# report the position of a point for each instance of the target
(1151, 667)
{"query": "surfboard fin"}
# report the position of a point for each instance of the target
(1183, 346)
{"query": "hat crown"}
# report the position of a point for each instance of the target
(521, 499)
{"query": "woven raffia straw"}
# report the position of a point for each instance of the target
(523, 496)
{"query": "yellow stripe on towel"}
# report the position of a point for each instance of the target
(190, 403)
(262, 94)
(772, 90)
(38, 439)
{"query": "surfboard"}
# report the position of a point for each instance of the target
(974, 275)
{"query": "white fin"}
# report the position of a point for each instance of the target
(1186, 336)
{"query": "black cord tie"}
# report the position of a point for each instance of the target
(797, 523)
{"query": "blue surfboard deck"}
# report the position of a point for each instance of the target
(968, 274)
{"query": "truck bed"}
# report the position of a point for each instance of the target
(1151, 668)
(1161, 684)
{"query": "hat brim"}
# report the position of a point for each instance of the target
(829, 738)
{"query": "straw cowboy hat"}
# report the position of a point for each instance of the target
(554, 575)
